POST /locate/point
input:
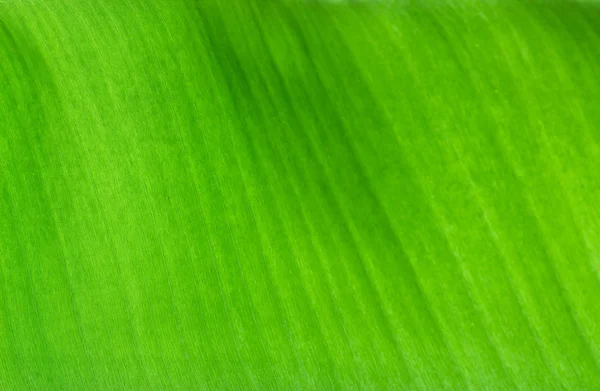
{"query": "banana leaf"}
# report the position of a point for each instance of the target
(299, 195)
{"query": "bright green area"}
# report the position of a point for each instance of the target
(276, 195)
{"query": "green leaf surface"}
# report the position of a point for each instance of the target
(278, 195)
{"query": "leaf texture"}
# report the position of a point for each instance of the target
(274, 195)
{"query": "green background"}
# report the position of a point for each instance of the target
(299, 195)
